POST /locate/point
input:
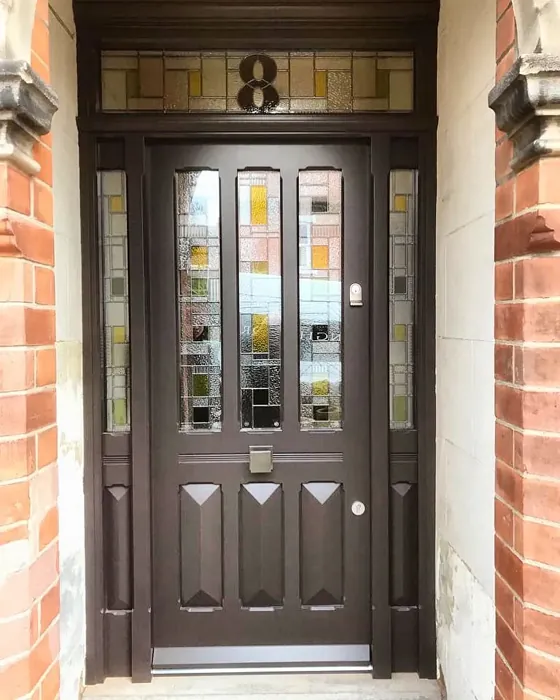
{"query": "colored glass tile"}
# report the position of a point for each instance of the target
(116, 204)
(119, 334)
(198, 282)
(260, 267)
(201, 385)
(258, 205)
(306, 82)
(260, 298)
(320, 299)
(260, 333)
(120, 413)
(320, 257)
(399, 332)
(320, 83)
(195, 83)
(400, 202)
(199, 256)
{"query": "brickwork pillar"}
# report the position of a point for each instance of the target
(29, 592)
(526, 100)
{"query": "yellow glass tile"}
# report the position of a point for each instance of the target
(320, 257)
(400, 202)
(259, 268)
(199, 256)
(259, 213)
(119, 334)
(399, 332)
(320, 83)
(194, 83)
(320, 387)
(260, 332)
(119, 412)
(116, 204)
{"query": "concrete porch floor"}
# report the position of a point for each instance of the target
(271, 687)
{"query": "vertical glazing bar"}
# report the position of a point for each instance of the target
(320, 299)
(199, 300)
(260, 298)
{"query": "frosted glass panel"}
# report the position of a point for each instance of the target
(320, 299)
(199, 300)
(116, 325)
(260, 298)
(403, 231)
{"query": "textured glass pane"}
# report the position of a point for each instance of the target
(236, 81)
(260, 298)
(114, 254)
(403, 228)
(199, 300)
(320, 299)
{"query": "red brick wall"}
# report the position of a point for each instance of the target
(29, 591)
(527, 416)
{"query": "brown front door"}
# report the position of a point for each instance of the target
(259, 312)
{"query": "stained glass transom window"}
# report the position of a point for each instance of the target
(284, 82)
(403, 228)
(114, 247)
(320, 298)
(260, 298)
(200, 321)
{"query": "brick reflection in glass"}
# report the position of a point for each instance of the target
(200, 332)
(320, 299)
(260, 299)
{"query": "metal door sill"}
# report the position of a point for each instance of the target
(331, 658)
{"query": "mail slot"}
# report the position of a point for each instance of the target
(260, 459)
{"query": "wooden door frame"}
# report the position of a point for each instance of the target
(396, 141)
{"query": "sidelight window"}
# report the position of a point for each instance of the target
(320, 298)
(113, 221)
(260, 297)
(403, 232)
(199, 300)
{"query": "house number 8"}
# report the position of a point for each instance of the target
(258, 94)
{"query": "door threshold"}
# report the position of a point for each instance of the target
(271, 659)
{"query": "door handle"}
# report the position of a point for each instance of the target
(356, 294)
(261, 459)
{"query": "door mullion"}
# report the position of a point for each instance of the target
(290, 312)
(230, 302)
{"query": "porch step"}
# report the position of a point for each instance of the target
(271, 687)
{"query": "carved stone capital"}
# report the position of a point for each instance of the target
(27, 106)
(527, 106)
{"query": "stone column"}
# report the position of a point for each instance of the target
(29, 594)
(526, 100)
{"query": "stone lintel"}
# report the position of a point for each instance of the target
(527, 106)
(27, 106)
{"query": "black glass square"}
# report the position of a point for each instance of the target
(319, 205)
(320, 332)
(400, 285)
(266, 417)
(260, 397)
(201, 414)
(200, 333)
(320, 413)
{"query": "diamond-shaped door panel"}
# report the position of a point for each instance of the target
(321, 544)
(261, 545)
(201, 545)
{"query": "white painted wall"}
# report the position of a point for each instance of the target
(69, 349)
(465, 349)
